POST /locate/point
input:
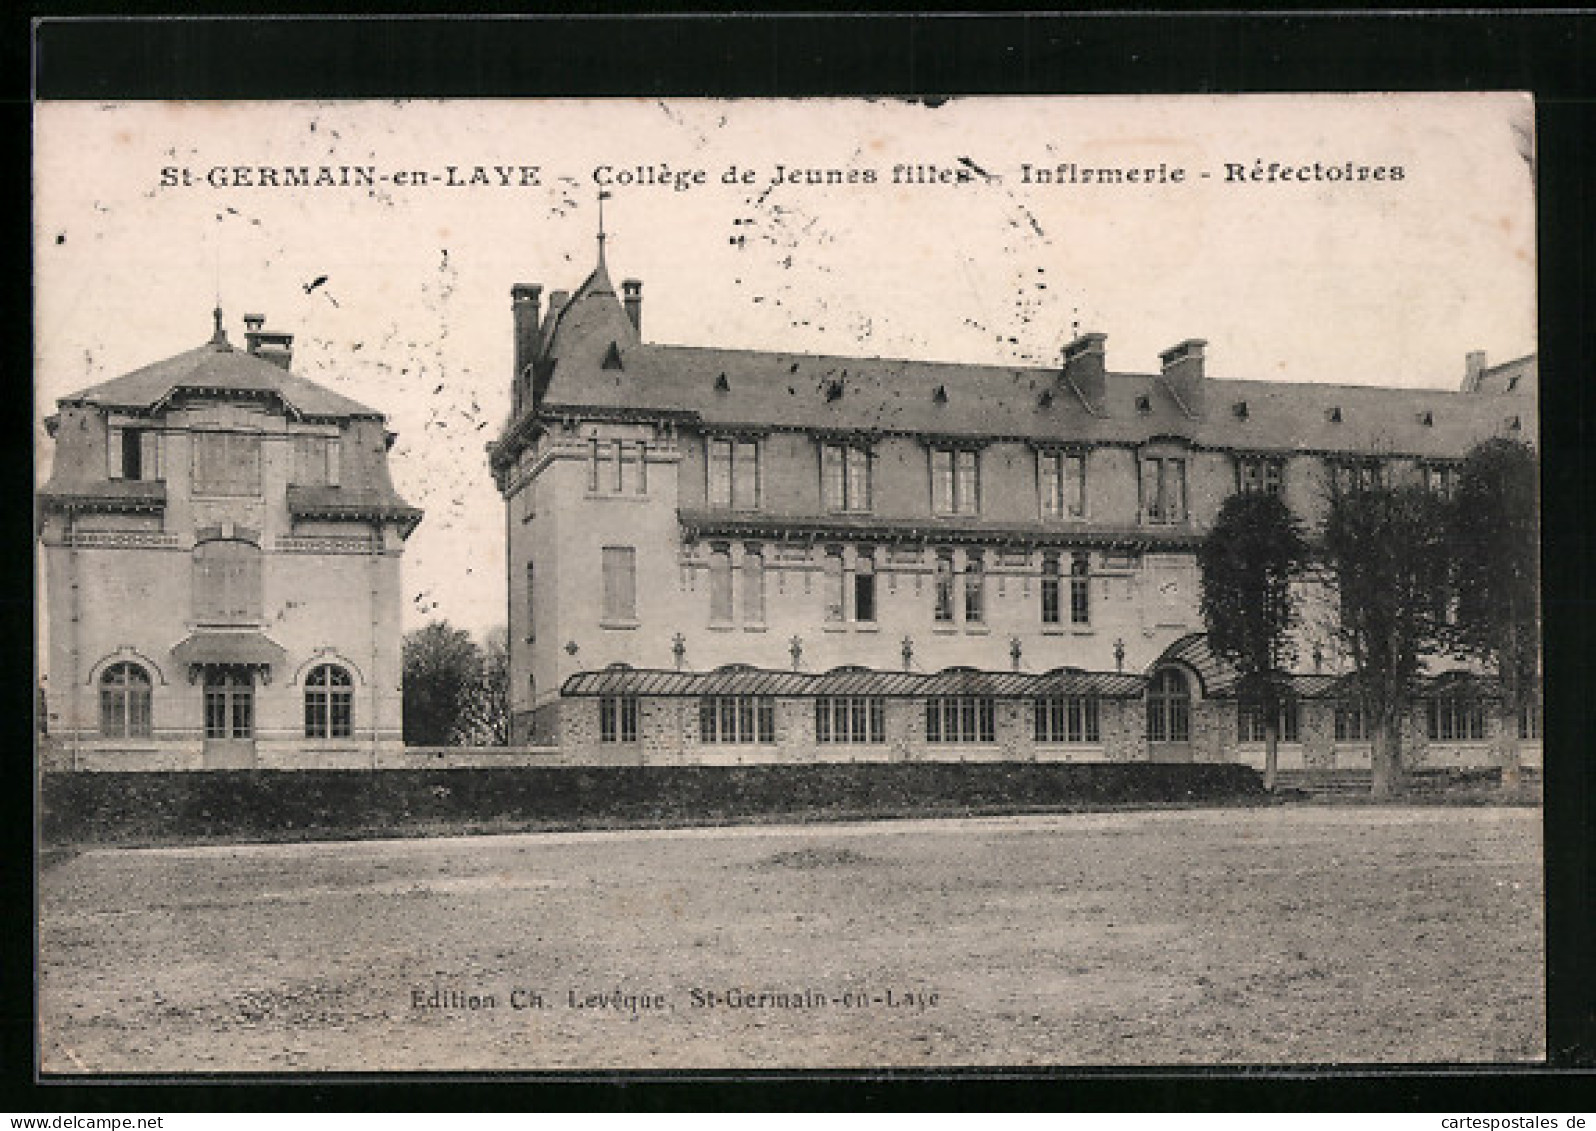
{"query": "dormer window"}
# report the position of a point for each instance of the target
(1062, 481)
(1441, 479)
(226, 463)
(955, 481)
(1144, 404)
(1163, 488)
(733, 473)
(316, 461)
(845, 477)
(1333, 414)
(1427, 419)
(134, 453)
(1358, 475)
(1258, 474)
(1239, 409)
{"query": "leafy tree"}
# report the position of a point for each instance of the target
(485, 715)
(441, 666)
(1384, 552)
(1249, 561)
(1496, 555)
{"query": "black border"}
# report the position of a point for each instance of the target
(922, 56)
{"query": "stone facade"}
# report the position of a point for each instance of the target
(222, 548)
(694, 509)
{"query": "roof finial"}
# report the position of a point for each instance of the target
(219, 335)
(602, 197)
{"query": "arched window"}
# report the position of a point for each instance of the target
(1169, 707)
(125, 701)
(329, 703)
(227, 582)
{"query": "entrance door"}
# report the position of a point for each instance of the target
(229, 718)
(1169, 716)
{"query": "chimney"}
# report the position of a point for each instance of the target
(632, 290)
(1183, 374)
(268, 345)
(557, 302)
(1085, 368)
(525, 299)
(1473, 370)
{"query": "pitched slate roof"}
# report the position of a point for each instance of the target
(218, 365)
(765, 388)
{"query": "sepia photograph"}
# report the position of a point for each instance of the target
(591, 585)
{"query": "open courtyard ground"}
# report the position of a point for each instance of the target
(1293, 934)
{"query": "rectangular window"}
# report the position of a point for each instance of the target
(1358, 475)
(1050, 589)
(617, 467)
(974, 589)
(1250, 722)
(1351, 723)
(1258, 474)
(835, 589)
(531, 603)
(226, 463)
(720, 584)
(1080, 589)
(753, 586)
(733, 474)
(1063, 484)
(134, 453)
(1456, 719)
(864, 589)
(227, 582)
(944, 587)
(1164, 489)
(618, 718)
(1529, 721)
(960, 718)
(1067, 718)
(737, 719)
(845, 477)
(850, 719)
(1441, 479)
(619, 568)
(955, 481)
(316, 460)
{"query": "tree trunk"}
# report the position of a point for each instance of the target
(1271, 755)
(1512, 758)
(1385, 757)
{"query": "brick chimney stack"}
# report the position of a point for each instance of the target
(1473, 370)
(268, 345)
(1183, 374)
(632, 292)
(525, 302)
(1085, 368)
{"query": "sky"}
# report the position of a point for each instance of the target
(398, 292)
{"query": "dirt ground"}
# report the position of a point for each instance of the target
(1296, 934)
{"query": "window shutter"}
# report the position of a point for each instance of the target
(1150, 501)
(113, 453)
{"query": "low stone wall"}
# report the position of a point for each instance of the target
(87, 808)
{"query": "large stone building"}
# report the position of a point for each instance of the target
(222, 548)
(733, 555)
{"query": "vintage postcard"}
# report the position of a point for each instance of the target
(689, 584)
